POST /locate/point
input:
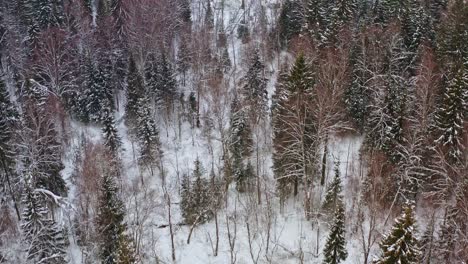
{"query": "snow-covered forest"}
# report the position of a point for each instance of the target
(233, 131)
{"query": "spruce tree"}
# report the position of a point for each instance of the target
(333, 195)
(184, 58)
(45, 242)
(293, 127)
(289, 21)
(357, 94)
(114, 245)
(452, 114)
(344, 11)
(240, 143)
(335, 247)
(197, 197)
(209, 18)
(401, 245)
(97, 94)
(185, 11)
(254, 89)
(226, 60)
(167, 85)
(39, 143)
(147, 133)
(111, 136)
(316, 19)
(243, 31)
(135, 91)
(152, 72)
(8, 121)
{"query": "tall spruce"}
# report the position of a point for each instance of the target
(289, 21)
(112, 139)
(334, 189)
(255, 86)
(401, 244)
(335, 247)
(8, 121)
(357, 94)
(240, 143)
(44, 239)
(39, 142)
(135, 91)
(114, 245)
(148, 134)
(452, 114)
(293, 128)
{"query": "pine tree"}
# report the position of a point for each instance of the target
(293, 128)
(452, 40)
(197, 197)
(335, 247)
(97, 94)
(152, 72)
(209, 19)
(445, 244)
(344, 11)
(240, 143)
(8, 121)
(316, 19)
(357, 94)
(427, 243)
(39, 145)
(333, 195)
(44, 239)
(114, 245)
(135, 91)
(289, 21)
(167, 85)
(226, 60)
(243, 31)
(401, 245)
(148, 135)
(184, 58)
(452, 114)
(254, 89)
(111, 136)
(185, 11)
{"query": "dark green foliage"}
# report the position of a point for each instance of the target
(452, 114)
(357, 95)
(254, 89)
(333, 196)
(97, 94)
(335, 247)
(135, 91)
(184, 58)
(293, 126)
(226, 60)
(45, 242)
(209, 18)
(147, 133)
(401, 245)
(452, 37)
(243, 31)
(114, 245)
(240, 145)
(42, 152)
(185, 11)
(8, 119)
(152, 75)
(168, 85)
(111, 137)
(198, 200)
(289, 21)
